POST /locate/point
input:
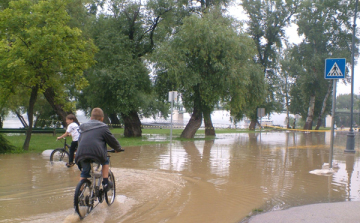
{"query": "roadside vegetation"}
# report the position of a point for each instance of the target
(41, 142)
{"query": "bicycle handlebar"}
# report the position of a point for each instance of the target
(113, 151)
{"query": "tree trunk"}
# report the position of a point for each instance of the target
(310, 115)
(21, 118)
(30, 113)
(115, 122)
(106, 119)
(319, 122)
(252, 124)
(1, 122)
(58, 108)
(193, 124)
(132, 124)
(196, 117)
(209, 128)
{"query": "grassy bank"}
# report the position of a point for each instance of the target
(41, 142)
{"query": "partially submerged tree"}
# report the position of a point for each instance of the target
(208, 62)
(121, 77)
(38, 51)
(267, 22)
(326, 28)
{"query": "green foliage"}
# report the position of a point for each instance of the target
(267, 22)
(121, 76)
(4, 4)
(343, 102)
(38, 49)
(120, 80)
(207, 62)
(5, 146)
(325, 26)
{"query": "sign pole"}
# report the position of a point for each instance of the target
(332, 125)
(350, 142)
(171, 125)
(334, 69)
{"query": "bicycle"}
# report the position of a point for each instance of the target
(89, 193)
(60, 154)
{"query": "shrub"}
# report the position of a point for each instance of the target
(5, 146)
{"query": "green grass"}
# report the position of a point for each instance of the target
(41, 142)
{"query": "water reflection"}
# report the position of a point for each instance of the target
(349, 161)
(217, 180)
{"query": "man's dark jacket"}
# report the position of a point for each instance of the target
(94, 135)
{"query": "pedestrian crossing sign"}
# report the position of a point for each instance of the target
(335, 68)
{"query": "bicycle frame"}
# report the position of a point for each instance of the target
(89, 191)
(96, 180)
(66, 146)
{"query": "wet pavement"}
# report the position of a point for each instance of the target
(226, 179)
(326, 213)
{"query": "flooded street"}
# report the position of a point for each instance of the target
(220, 180)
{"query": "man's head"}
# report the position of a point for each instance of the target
(97, 114)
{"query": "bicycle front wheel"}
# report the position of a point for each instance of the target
(83, 200)
(110, 194)
(59, 155)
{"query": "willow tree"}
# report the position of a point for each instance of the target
(266, 25)
(126, 35)
(38, 51)
(208, 62)
(326, 28)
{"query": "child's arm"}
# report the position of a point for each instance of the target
(63, 135)
(112, 141)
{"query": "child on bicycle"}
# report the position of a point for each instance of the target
(95, 134)
(73, 130)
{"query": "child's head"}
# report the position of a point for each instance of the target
(97, 114)
(70, 118)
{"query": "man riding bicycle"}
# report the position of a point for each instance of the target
(94, 135)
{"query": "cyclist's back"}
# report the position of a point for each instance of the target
(93, 139)
(94, 135)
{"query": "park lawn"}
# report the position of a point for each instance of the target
(41, 142)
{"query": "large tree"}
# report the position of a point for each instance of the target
(125, 36)
(208, 62)
(266, 25)
(38, 51)
(326, 28)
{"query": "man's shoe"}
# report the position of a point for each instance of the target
(70, 164)
(108, 186)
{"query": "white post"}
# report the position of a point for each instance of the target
(172, 97)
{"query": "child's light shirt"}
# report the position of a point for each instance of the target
(73, 129)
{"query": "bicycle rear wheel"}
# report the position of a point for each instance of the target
(110, 194)
(83, 200)
(59, 155)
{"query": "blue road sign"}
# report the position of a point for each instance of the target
(335, 68)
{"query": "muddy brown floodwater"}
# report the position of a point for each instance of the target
(220, 180)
